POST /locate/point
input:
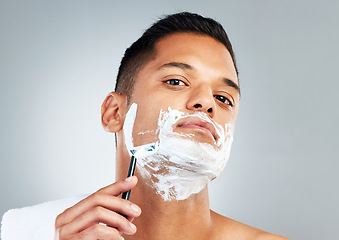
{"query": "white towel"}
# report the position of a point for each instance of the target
(35, 222)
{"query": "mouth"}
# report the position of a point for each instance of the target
(198, 124)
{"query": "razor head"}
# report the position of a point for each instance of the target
(145, 150)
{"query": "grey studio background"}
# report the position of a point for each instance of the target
(59, 59)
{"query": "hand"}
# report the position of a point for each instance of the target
(100, 216)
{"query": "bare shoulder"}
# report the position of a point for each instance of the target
(226, 228)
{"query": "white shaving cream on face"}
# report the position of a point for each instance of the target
(179, 166)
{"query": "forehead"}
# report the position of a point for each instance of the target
(200, 51)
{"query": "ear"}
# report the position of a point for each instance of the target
(112, 112)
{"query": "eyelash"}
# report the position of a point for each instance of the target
(226, 100)
(176, 82)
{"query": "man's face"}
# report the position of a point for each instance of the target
(190, 73)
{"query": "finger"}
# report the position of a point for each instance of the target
(99, 198)
(98, 231)
(115, 204)
(95, 216)
(119, 187)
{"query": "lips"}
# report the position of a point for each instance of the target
(199, 124)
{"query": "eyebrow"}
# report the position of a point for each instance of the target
(232, 84)
(185, 66)
(177, 65)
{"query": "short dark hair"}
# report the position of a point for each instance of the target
(143, 50)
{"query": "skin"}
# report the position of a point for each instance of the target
(187, 74)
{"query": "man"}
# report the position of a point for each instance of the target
(184, 64)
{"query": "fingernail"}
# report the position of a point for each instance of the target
(122, 238)
(135, 208)
(132, 226)
(128, 179)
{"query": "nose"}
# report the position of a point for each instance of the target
(202, 100)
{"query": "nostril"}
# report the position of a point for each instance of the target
(197, 105)
(209, 110)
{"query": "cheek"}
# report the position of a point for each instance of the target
(226, 121)
(145, 127)
(149, 107)
(224, 118)
(146, 121)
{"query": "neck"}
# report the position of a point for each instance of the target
(185, 219)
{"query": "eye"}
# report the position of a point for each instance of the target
(224, 99)
(175, 82)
